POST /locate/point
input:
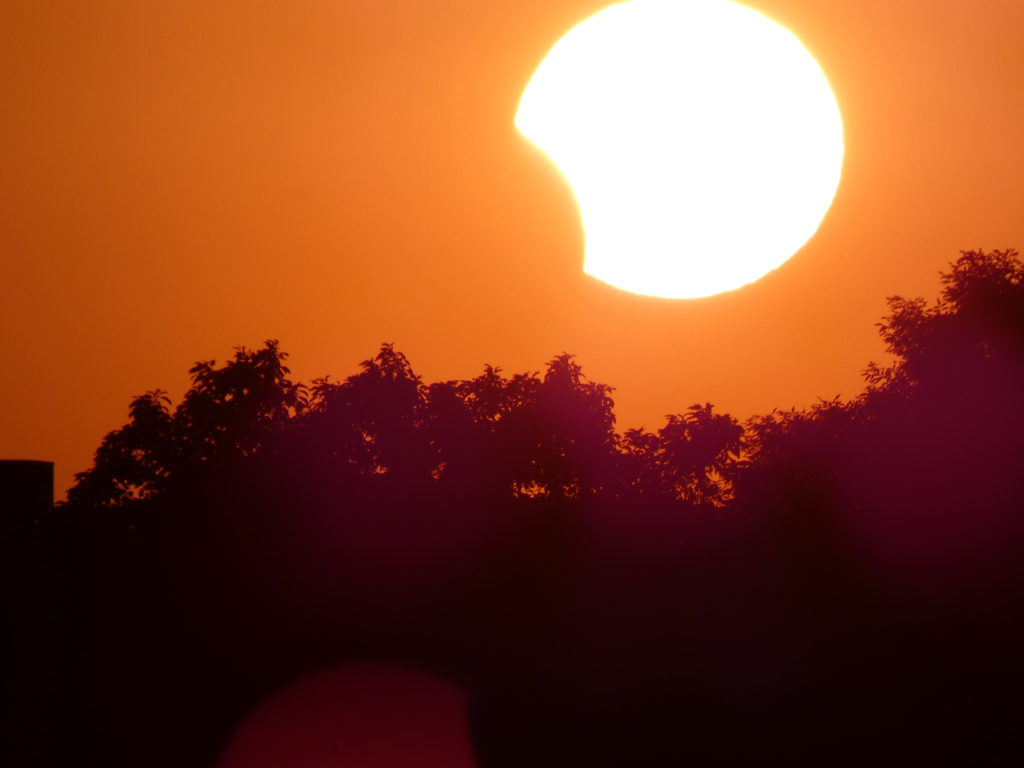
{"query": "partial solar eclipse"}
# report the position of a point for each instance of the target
(701, 140)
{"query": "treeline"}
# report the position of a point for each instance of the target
(839, 584)
(548, 437)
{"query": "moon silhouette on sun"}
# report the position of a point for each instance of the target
(701, 140)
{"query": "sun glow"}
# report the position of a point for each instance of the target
(701, 140)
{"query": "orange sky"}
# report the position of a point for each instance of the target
(179, 178)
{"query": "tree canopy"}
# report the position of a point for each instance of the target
(524, 435)
(821, 584)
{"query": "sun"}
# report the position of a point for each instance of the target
(702, 142)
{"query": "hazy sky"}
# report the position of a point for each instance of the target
(179, 178)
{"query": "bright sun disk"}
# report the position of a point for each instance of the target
(701, 140)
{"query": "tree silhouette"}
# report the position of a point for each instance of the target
(976, 326)
(694, 456)
(226, 415)
(840, 583)
(551, 437)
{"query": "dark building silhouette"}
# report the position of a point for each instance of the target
(34, 617)
(26, 494)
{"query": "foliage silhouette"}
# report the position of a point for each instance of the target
(836, 584)
(550, 437)
(226, 415)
